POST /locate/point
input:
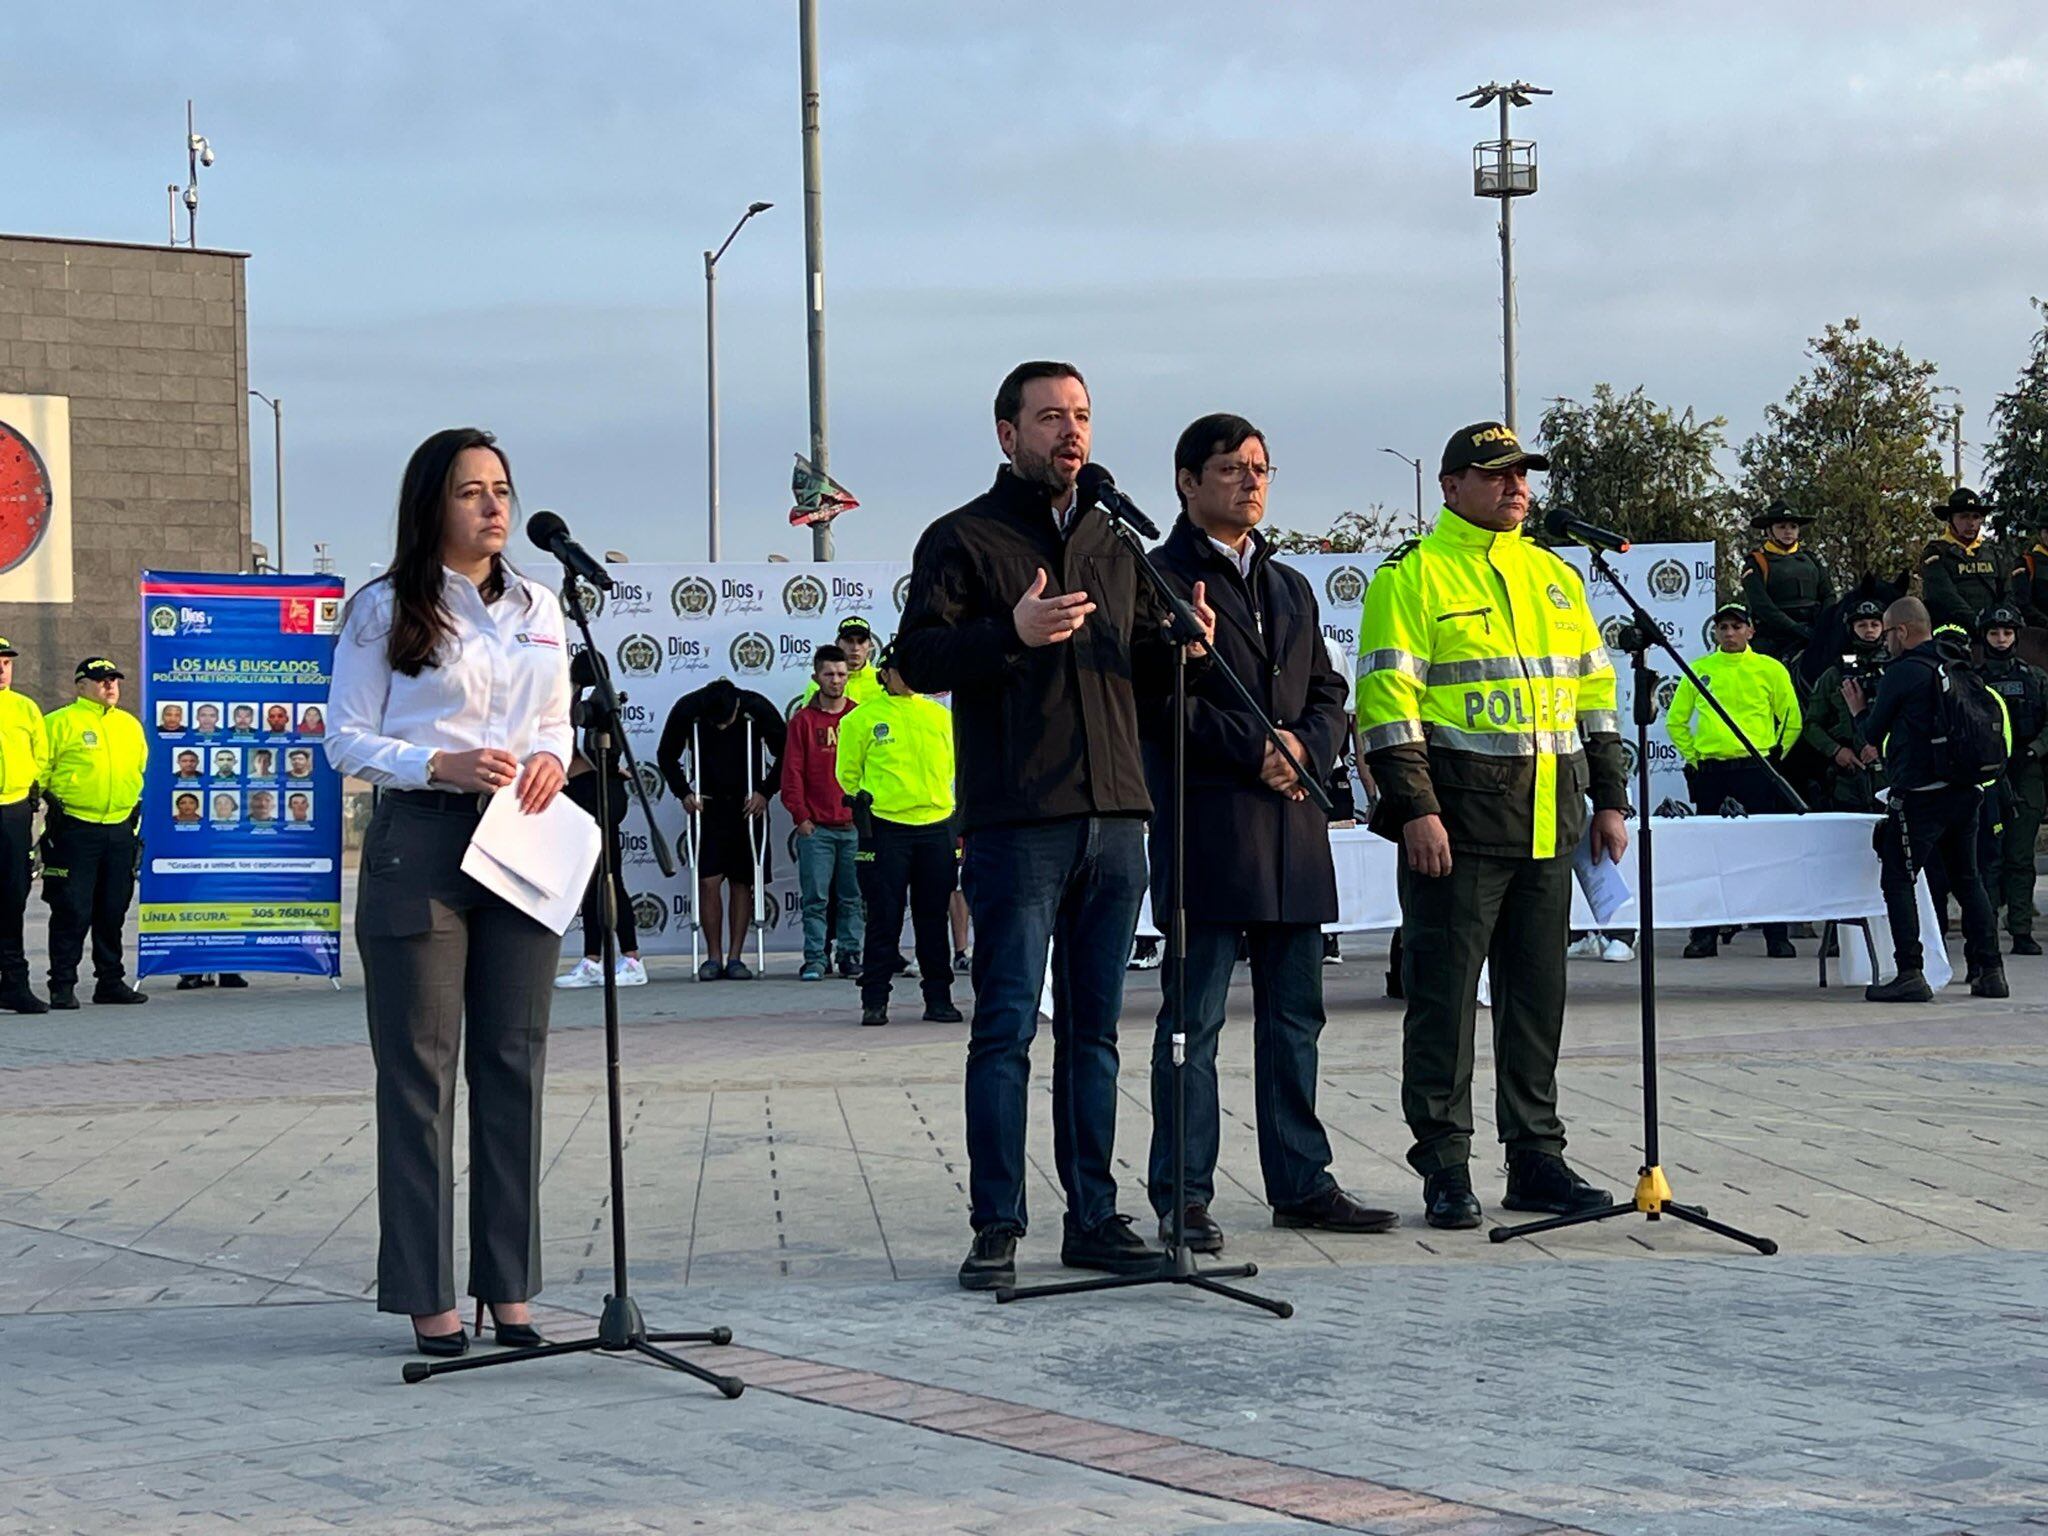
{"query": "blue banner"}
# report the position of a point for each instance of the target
(242, 816)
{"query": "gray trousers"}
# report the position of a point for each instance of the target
(447, 964)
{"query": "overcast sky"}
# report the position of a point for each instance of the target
(495, 214)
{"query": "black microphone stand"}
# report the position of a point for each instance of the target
(621, 1329)
(1653, 1197)
(1177, 1265)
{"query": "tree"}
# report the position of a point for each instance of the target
(1375, 528)
(2018, 453)
(1632, 464)
(1854, 443)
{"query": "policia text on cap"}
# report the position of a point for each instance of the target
(1486, 705)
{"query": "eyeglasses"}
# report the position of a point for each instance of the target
(1237, 472)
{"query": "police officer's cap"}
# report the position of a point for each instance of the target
(7, 648)
(98, 669)
(856, 628)
(1735, 611)
(1487, 445)
(1866, 608)
(1962, 499)
(1779, 512)
(1999, 616)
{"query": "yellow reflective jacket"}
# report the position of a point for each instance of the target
(1757, 692)
(1485, 695)
(899, 748)
(97, 756)
(861, 686)
(24, 746)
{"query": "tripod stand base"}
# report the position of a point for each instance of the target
(621, 1330)
(1652, 1200)
(1174, 1269)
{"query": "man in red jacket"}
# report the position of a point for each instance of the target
(825, 838)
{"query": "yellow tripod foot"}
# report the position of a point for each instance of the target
(1653, 1191)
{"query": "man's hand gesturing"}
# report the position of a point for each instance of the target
(1043, 620)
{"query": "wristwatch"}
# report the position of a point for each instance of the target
(433, 767)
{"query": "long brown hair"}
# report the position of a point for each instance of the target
(420, 621)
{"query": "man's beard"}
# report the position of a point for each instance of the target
(1040, 469)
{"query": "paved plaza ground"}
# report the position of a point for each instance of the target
(187, 1246)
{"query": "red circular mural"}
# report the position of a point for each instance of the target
(24, 498)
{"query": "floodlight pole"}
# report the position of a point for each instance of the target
(1507, 185)
(1416, 465)
(814, 257)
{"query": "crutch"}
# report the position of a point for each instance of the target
(757, 844)
(691, 841)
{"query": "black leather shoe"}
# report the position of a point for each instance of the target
(445, 1345)
(19, 999)
(62, 996)
(943, 1013)
(1448, 1201)
(1543, 1181)
(992, 1261)
(1990, 982)
(118, 992)
(189, 983)
(1110, 1246)
(874, 1013)
(1702, 949)
(1780, 949)
(1203, 1235)
(232, 980)
(1335, 1211)
(1906, 987)
(2025, 944)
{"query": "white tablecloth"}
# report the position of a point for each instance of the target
(1711, 871)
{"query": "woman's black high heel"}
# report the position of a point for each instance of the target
(511, 1335)
(444, 1345)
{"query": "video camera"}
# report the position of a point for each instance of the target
(1863, 669)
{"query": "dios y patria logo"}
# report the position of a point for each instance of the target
(651, 781)
(1669, 581)
(1666, 692)
(901, 592)
(851, 595)
(803, 597)
(591, 597)
(753, 653)
(736, 596)
(686, 653)
(1345, 586)
(163, 619)
(650, 912)
(640, 656)
(693, 598)
(1611, 628)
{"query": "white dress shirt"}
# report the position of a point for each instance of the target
(505, 684)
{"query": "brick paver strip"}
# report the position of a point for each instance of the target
(1324, 1498)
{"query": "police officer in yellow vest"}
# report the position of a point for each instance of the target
(24, 769)
(1486, 706)
(1960, 573)
(97, 757)
(896, 767)
(1757, 692)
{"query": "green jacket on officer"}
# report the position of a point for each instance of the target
(1784, 587)
(1960, 573)
(1855, 767)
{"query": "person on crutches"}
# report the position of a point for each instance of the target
(737, 739)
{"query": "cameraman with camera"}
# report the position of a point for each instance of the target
(1856, 768)
(1925, 719)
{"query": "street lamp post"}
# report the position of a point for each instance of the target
(711, 368)
(1416, 465)
(277, 446)
(1505, 169)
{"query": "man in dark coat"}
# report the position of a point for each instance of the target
(1783, 585)
(1960, 572)
(1028, 609)
(1258, 849)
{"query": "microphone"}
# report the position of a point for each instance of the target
(549, 532)
(1097, 487)
(1559, 523)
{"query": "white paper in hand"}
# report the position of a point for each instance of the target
(540, 864)
(1605, 886)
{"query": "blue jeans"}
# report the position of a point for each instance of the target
(1287, 1021)
(1073, 886)
(824, 869)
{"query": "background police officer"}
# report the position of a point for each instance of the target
(1783, 585)
(2024, 688)
(1486, 704)
(97, 757)
(1855, 767)
(1960, 573)
(24, 768)
(1757, 692)
(2027, 586)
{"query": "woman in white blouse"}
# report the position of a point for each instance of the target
(451, 682)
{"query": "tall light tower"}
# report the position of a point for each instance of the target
(1505, 168)
(711, 371)
(814, 254)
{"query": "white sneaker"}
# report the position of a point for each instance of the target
(588, 973)
(1587, 948)
(1619, 951)
(631, 973)
(1149, 959)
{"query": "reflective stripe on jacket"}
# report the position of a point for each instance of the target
(1485, 694)
(97, 755)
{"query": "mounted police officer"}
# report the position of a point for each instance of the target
(1783, 585)
(1960, 573)
(2024, 687)
(2027, 586)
